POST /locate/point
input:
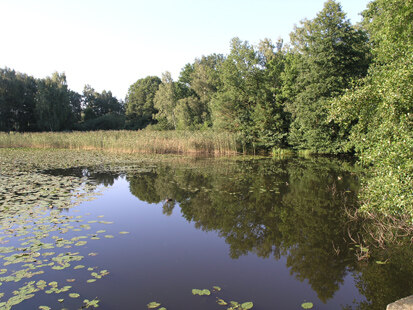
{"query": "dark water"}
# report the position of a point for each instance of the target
(272, 232)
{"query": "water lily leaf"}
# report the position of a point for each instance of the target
(109, 236)
(221, 302)
(44, 308)
(91, 303)
(206, 292)
(79, 267)
(74, 295)
(91, 280)
(61, 300)
(201, 292)
(124, 232)
(307, 305)
(196, 291)
(153, 305)
(217, 288)
(247, 305)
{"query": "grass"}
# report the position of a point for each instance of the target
(125, 141)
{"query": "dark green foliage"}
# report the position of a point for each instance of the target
(379, 109)
(330, 54)
(75, 100)
(248, 97)
(165, 101)
(239, 93)
(199, 82)
(109, 121)
(17, 101)
(53, 111)
(140, 102)
(271, 121)
(100, 104)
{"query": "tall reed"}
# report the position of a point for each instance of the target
(125, 141)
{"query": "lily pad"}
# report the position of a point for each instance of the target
(153, 305)
(307, 305)
(247, 305)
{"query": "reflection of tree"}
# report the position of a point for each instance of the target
(294, 208)
(168, 207)
(143, 187)
(384, 284)
(107, 179)
(313, 225)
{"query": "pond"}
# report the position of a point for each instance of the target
(272, 232)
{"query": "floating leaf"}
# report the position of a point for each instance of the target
(247, 305)
(91, 303)
(221, 302)
(44, 308)
(196, 291)
(153, 305)
(217, 288)
(307, 305)
(74, 295)
(124, 232)
(91, 280)
(201, 292)
(206, 292)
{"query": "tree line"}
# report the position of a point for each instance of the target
(29, 104)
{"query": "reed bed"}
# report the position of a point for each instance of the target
(126, 141)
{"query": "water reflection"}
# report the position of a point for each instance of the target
(292, 208)
(271, 208)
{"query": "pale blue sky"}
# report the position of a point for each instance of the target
(111, 44)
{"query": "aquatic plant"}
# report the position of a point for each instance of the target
(124, 141)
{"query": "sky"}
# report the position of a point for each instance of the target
(111, 44)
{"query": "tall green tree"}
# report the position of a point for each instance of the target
(241, 75)
(379, 109)
(165, 102)
(270, 119)
(331, 54)
(75, 100)
(99, 104)
(140, 102)
(17, 101)
(205, 79)
(53, 110)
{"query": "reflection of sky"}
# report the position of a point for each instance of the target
(164, 257)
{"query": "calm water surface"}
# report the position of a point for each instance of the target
(272, 232)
